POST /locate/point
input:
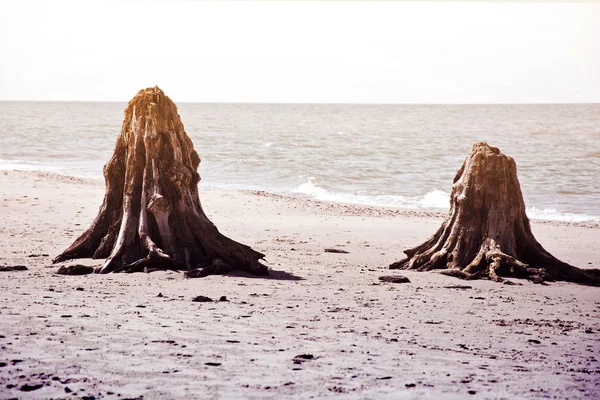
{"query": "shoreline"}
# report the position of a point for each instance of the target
(338, 207)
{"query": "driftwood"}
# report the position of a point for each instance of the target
(487, 233)
(151, 217)
(13, 268)
(394, 279)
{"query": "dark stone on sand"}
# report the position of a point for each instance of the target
(30, 388)
(534, 341)
(339, 251)
(462, 287)
(3, 364)
(589, 331)
(202, 299)
(212, 364)
(76, 269)
(223, 298)
(410, 385)
(394, 279)
(472, 392)
(80, 289)
(13, 268)
(67, 390)
(305, 357)
(160, 295)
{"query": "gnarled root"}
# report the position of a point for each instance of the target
(151, 217)
(218, 267)
(491, 263)
(487, 234)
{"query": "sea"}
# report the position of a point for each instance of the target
(402, 156)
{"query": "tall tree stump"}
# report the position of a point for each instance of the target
(151, 216)
(487, 233)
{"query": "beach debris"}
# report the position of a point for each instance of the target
(339, 251)
(151, 217)
(486, 234)
(300, 358)
(30, 388)
(461, 287)
(394, 279)
(76, 269)
(13, 268)
(37, 255)
(202, 299)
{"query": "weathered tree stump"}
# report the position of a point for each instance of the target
(151, 217)
(487, 233)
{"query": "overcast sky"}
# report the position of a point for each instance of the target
(301, 51)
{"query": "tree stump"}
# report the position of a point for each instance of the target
(151, 217)
(487, 233)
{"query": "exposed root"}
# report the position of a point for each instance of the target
(487, 234)
(218, 267)
(151, 217)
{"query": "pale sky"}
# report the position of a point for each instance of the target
(301, 51)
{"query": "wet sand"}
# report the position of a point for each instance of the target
(132, 335)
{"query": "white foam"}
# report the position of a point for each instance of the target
(434, 199)
(554, 215)
(28, 166)
(19, 165)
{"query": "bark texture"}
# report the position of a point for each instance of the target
(151, 217)
(487, 233)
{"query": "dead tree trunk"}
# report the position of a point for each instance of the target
(487, 233)
(151, 216)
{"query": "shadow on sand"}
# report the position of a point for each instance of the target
(273, 274)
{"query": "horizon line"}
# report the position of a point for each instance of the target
(316, 103)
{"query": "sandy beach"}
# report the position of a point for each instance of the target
(322, 325)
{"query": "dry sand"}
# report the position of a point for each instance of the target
(112, 336)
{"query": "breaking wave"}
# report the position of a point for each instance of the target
(553, 215)
(435, 199)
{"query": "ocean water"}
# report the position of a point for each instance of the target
(391, 155)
